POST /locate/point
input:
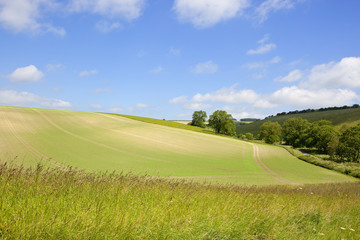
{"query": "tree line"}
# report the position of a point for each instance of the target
(314, 110)
(321, 135)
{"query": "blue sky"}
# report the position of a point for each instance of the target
(166, 59)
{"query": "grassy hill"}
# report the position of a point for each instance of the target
(107, 142)
(341, 119)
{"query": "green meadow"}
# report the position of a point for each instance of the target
(106, 142)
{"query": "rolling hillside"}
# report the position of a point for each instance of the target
(107, 142)
(341, 119)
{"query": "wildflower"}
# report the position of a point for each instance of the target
(321, 234)
(342, 228)
(353, 230)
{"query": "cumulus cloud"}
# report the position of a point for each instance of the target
(228, 95)
(270, 6)
(263, 47)
(205, 67)
(206, 13)
(158, 69)
(127, 9)
(178, 100)
(293, 76)
(26, 74)
(335, 74)
(10, 97)
(262, 103)
(24, 15)
(196, 106)
(88, 73)
(304, 98)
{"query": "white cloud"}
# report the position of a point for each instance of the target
(293, 76)
(158, 69)
(178, 100)
(257, 65)
(228, 95)
(102, 90)
(115, 109)
(335, 74)
(270, 6)
(275, 60)
(141, 106)
(196, 106)
(264, 46)
(53, 67)
(262, 103)
(174, 51)
(304, 98)
(23, 15)
(10, 97)
(127, 9)
(262, 49)
(105, 26)
(240, 115)
(96, 106)
(26, 74)
(88, 73)
(206, 13)
(205, 67)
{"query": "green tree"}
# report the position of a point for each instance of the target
(295, 131)
(249, 136)
(222, 122)
(323, 136)
(270, 132)
(199, 118)
(349, 147)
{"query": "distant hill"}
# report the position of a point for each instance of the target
(340, 118)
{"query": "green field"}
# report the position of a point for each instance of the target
(107, 142)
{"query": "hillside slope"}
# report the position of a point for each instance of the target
(97, 141)
(341, 119)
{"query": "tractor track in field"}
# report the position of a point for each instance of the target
(267, 169)
(32, 149)
(120, 150)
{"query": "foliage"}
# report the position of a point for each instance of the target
(43, 203)
(199, 118)
(349, 147)
(271, 132)
(249, 136)
(340, 118)
(323, 136)
(295, 131)
(222, 122)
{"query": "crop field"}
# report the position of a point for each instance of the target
(106, 142)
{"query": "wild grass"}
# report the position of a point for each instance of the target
(42, 203)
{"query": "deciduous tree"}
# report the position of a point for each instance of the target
(222, 122)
